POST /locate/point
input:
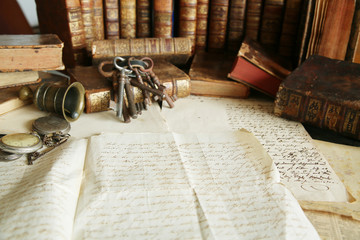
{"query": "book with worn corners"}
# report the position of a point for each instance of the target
(208, 74)
(12, 79)
(257, 69)
(31, 52)
(322, 92)
(99, 90)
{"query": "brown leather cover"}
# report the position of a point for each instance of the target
(87, 12)
(201, 24)
(236, 29)
(187, 20)
(128, 18)
(64, 18)
(111, 17)
(208, 74)
(163, 18)
(322, 92)
(98, 89)
(253, 18)
(99, 32)
(143, 18)
(218, 20)
(35, 52)
(175, 50)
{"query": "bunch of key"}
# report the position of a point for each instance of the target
(126, 74)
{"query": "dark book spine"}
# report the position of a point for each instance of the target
(201, 24)
(253, 18)
(187, 19)
(318, 112)
(163, 18)
(271, 24)
(143, 18)
(87, 11)
(218, 24)
(111, 16)
(127, 18)
(236, 24)
(99, 32)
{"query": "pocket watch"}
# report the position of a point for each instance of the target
(20, 143)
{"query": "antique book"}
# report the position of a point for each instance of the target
(64, 18)
(87, 12)
(331, 28)
(322, 92)
(289, 28)
(163, 18)
(271, 21)
(353, 49)
(127, 18)
(11, 79)
(236, 29)
(258, 68)
(99, 90)
(143, 18)
(99, 31)
(208, 74)
(218, 20)
(253, 18)
(111, 18)
(202, 13)
(187, 20)
(176, 50)
(151, 185)
(32, 52)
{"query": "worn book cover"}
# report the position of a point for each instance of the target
(208, 74)
(163, 11)
(187, 20)
(99, 90)
(202, 13)
(111, 18)
(175, 50)
(31, 52)
(11, 79)
(236, 30)
(218, 20)
(64, 18)
(143, 18)
(322, 92)
(253, 18)
(127, 18)
(257, 68)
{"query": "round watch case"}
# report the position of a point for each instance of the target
(51, 124)
(20, 143)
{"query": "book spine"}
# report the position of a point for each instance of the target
(218, 24)
(290, 28)
(177, 50)
(128, 18)
(201, 24)
(253, 18)
(318, 112)
(271, 24)
(236, 24)
(163, 18)
(187, 20)
(64, 18)
(99, 32)
(87, 11)
(143, 18)
(112, 27)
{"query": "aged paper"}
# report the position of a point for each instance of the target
(303, 169)
(39, 201)
(345, 161)
(185, 186)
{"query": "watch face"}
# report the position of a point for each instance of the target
(20, 143)
(51, 124)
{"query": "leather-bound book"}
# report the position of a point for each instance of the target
(208, 74)
(175, 50)
(64, 18)
(218, 19)
(99, 32)
(143, 18)
(98, 89)
(111, 17)
(258, 68)
(271, 23)
(253, 18)
(87, 12)
(163, 18)
(290, 25)
(31, 52)
(187, 20)
(127, 18)
(322, 92)
(236, 30)
(201, 24)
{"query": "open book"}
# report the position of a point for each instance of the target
(151, 186)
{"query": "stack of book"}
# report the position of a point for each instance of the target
(22, 58)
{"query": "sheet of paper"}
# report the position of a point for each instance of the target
(185, 186)
(345, 162)
(39, 201)
(303, 169)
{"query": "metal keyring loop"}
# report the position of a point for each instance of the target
(127, 71)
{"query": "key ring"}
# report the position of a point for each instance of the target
(120, 68)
